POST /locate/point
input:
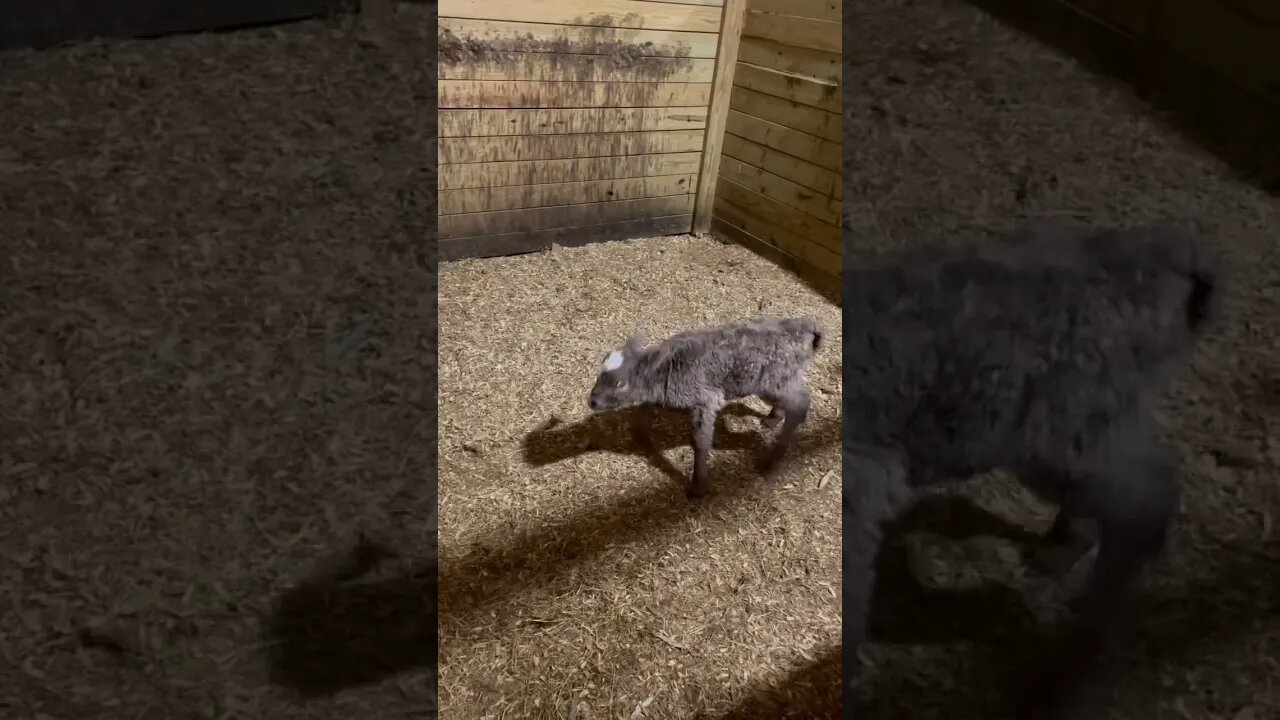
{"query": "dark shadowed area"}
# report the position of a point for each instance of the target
(958, 124)
(218, 371)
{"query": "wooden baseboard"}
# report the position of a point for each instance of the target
(826, 284)
(519, 243)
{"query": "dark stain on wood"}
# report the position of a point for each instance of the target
(603, 39)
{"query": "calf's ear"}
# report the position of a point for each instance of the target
(635, 343)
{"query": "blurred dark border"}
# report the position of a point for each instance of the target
(1240, 126)
(39, 24)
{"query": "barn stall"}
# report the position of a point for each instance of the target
(577, 579)
(218, 315)
(963, 123)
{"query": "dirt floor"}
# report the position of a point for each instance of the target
(218, 373)
(577, 579)
(960, 123)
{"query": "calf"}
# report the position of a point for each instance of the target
(1043, 354)
(701, 371)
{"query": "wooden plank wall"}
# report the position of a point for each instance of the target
(1211, 67)
(779, 190)
(1238, 38)
(570, 121)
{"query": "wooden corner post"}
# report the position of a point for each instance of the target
(731, 21)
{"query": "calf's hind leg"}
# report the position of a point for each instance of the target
(795, 408)
(1069, 539)
(1134, 499)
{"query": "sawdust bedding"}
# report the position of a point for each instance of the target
(577, 579)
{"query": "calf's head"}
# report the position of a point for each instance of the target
(614, 387)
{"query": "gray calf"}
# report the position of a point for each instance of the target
(701, 371)
(1043, 354)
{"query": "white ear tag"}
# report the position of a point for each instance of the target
(614, 361)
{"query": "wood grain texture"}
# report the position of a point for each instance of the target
(826, 284)
(806, 119)
(526, 242)
(1134, 16)
(527, 196)
(475, 123)
(806, 174)
(500, 35)
(558, 216)
(537, 172)
(802, 89)
(823, 153)
(752, 203)
(555, 147)
(793, 31)
(579, 68)
(1220, 38)
(798, 246)
(787, 192)
(819, 9)
(614, 13)
(722, 90)
(467, 94)
(788, 58)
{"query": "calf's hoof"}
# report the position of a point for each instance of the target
(771, 421)
(697, 490)
(770, 462)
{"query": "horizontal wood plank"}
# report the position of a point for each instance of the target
(815, 253)
(820, 280)
(810, 202)
(527, 196)
(527, 242)
(818, 9)
(1222, 39)
(710, 3)
(518, 94)
(578, 68)
(771, 211)
(788, 58)
(537, 172)
(801, 172)
(503, 36)
(475, 123)
(602, 13)
(796, 88)
(558, 216)
(806, 119)
(1135, 16)
(555, 147)
(793, 31)
(812, 148)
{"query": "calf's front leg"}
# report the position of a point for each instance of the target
(704, 432)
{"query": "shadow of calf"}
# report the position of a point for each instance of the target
(335, 631)
(613, 432)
